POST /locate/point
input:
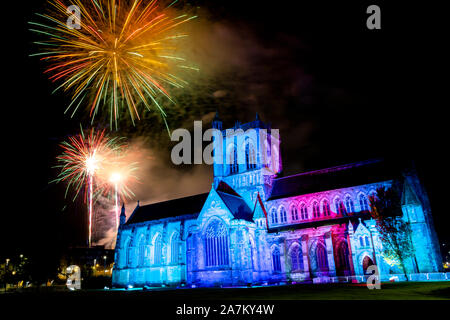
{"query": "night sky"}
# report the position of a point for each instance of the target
(337, 91)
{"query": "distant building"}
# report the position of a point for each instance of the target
(318, 226)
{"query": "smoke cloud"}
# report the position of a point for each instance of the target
(157, 180)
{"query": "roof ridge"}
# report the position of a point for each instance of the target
(238, 196)
(333, 169)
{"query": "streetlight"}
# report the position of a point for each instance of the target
(104, 269)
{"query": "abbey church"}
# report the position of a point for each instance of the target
(255, 227)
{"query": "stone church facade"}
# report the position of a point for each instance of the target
(256, 227)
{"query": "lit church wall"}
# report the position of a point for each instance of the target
(226, 240)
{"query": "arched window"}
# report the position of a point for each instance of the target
(157, 250)
(294, 213)
(276, 159)
(340, 208)
(283, 217)
(349, 205)
(296, 258)
(361, 241)
(363, 203)
(304, 211)
(142, 251)
(232, 160)
(367, 241)
(276, 261)
(316, 210)
(129, 254)
(274, 216)
(343, 263)
(372, 197)
(322, 260)
(175, 249)
(216, 244)
(326, 208)
(250, 156)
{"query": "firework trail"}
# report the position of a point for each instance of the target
(125, 55)
(117, 177)
(84, 156)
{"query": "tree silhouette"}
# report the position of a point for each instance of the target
(395, 233)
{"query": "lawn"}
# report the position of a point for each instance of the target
(388, 291)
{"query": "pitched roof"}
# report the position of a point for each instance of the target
(237, 206)
(354, 174)
(224, 187)
(168, 209)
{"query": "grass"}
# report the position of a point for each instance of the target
(388, 291)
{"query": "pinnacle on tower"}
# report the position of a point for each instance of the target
(123, 216)
(217, 123)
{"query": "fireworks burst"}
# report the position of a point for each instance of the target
(124, 56)
(82, 158)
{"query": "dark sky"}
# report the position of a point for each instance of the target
(337, 91)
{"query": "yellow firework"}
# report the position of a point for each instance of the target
(112, 54)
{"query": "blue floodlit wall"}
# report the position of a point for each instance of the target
(215, 248)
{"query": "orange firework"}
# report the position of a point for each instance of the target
(118, 54)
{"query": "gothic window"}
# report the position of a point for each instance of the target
(349, 204)
(142, 251)
(175, 249)
(283, 217)
(316, 210)
(129, 251)
(157, 250)
(296, 258)
(232, 160)
(294, 213)
(250, 156)
(304, 211)
(340, 208)
(322, 260)
(343, 264)
(367, 241)
(216, 244)
(363, 202)
(267, 160)
(274, 216)
(361, 241)
(276, 159)
(326, 208)
(276, 261)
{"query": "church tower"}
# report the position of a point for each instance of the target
(247, 157)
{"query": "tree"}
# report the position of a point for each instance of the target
(395, 232)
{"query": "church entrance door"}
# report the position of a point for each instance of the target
(367, 262)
